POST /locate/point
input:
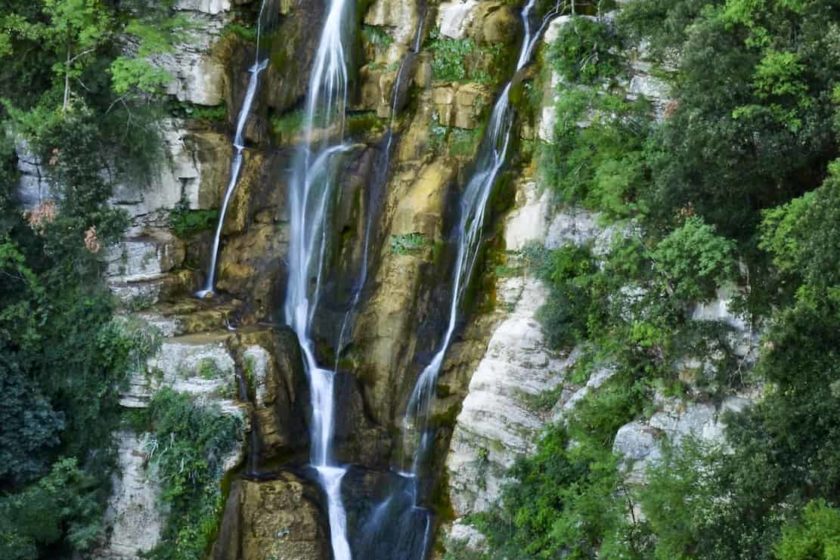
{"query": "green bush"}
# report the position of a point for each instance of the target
(64, 502)
(408, 243)
(586, 52)
(568, 499)
(815, 537)
(693, 261)
(190, 442)
(185, 222)
(570, 272)
(376, 36)
(458, 60)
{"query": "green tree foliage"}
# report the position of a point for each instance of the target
(458, 60)
(569, 500)
(693, 260)
(815, 537)
(597, 156)
(802, 234)
(739, 170)
(61, 505)
(63, 354)
(751, 121)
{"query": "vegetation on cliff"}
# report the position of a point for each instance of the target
(737, 183)
(78, 96)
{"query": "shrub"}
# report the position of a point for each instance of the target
(190, 442)
(408, 243)
(693, 261)
(185, 222)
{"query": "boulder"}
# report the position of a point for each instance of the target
(454, 18)
(279, 519)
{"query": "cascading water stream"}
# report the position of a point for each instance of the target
(490, 160)
(311, 191)
(236, 164)
(400, 527)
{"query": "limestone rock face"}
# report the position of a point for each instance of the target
(193, 170)
(279, 520)
(198, 75)
(500, 420)
(400, 16)
(640, 443)
(34, 185)
(271, 363)
(249, 266)
(461, 105)
(291, 54)
(497, 423)
(255, 236)
(145, 257)
(377, 86)
(386, 327)
(495, 22)
(454, 18)
(133, 510)
(200, 365)
(529, 220)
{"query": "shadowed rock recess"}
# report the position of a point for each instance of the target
(424, 84)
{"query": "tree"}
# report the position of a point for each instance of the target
(815, 537)
(693, 261)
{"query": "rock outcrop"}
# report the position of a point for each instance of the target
(198, 73)
(640, 442)
(279, 519)
(502, 414)
(134, 514)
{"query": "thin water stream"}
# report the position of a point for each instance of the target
(236, 164)
(491, 158)
(492, 154)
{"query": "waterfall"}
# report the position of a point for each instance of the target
(310, 193)
(489, 162)
(236, 164)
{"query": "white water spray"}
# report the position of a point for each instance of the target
(311, 191)
(236, 164)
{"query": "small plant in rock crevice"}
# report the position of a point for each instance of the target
(408, 243)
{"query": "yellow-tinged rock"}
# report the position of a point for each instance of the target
(272, 519)
(421, 208)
